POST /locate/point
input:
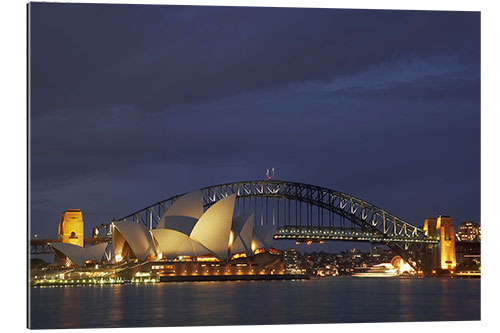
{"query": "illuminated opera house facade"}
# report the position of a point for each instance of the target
(188, 242)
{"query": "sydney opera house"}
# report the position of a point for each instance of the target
(188, 243)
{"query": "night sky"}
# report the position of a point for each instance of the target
(131, 105)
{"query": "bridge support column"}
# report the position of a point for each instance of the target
(431, 258)
(447, 237)
(439, 256)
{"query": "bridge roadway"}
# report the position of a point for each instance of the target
(346, 234)
(304, 234)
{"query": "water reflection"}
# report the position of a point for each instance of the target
(328, 300)
(69, 304)
(115, 310)
(404, 300)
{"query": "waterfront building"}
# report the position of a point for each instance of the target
(469, 231)
(188, 244)
(468, 255)
(71, 227)
(259, 266)
(291, 258)
(186, 233)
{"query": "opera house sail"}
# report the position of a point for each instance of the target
(78, 255)
(198, 240)
(132, 240)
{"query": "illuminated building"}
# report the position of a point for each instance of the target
(190, 243)
(260, 266)
(292, 261)
(469, 231)
(468, 254)
(447, 242)
(71, 227)
(186, 233)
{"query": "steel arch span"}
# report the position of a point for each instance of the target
(309, 213)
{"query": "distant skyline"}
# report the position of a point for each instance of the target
(132, 104)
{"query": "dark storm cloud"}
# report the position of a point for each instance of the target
(132, 104)
(146, 56)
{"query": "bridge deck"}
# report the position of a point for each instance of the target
(343, 234)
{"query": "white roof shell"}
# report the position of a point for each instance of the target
(172, 243)
(242, 234)
(79, 255)
(96, 252)
(256, 244)
(192, 248)
(136, 235)
(213, 228)
(263, 236)
(168, 241)
(189, 205)
(182, 224)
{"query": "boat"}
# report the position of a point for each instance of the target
(380, 270)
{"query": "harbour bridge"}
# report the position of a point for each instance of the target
(309, 213)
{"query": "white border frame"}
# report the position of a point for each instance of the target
(14, 135)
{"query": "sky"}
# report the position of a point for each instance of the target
(133, 104)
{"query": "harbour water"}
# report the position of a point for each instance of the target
(325, 300)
